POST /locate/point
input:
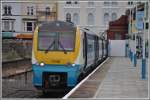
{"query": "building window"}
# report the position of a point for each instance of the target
(29, 26)
(130, 3)
(76, 18)
(117, 36)
(91, 3)
(68, 2)
(114, 3)
(114, 16)
(106, 3)
(30, 11)
(76, 2)
(106, 18)
(68, 17)
(7, 10)
(8, 25)
(47, 11)
(90, 19)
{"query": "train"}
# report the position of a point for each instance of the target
(63, 52)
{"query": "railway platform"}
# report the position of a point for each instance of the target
(116, 78)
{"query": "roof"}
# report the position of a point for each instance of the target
(56, 26)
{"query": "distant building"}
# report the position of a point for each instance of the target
(11, 19)
(20, 18)
(28, 16)
(93, 14)
(118, 29)
(46, 11)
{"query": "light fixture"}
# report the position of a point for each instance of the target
(42, 64)
(73, 65)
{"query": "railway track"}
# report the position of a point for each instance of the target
(20, 85)
(17, 81)
(16, 63)
(12, 68)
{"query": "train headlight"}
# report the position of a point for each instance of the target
(73, 65)
(42, 64)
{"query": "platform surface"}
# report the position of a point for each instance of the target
(117, 78)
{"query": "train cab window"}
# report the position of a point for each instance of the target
(66, 41)
(46, 39)
(56, 41)
(56, 36)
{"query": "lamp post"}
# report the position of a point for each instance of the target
(134, 55)
(143, 72)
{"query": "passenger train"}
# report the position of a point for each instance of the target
(62, 53)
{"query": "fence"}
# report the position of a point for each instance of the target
(16, 49)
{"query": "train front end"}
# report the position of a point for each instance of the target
(55, 50)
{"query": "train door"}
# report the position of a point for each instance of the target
(103, 49)
(100, 43)
(90, 50)
(85, 50)
(96, 49)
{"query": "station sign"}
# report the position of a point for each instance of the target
(139, 20)
(134, 28)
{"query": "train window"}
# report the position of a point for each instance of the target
(84, 48)
(67, 40)
(100, 48)
(90, 43)
(90, 48)
(56, 36)
(56, 41)
(46, 40)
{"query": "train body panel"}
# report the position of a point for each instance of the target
(58, 64)
(72, 73)
(57, 57)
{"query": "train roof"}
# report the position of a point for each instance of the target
(57, 26)
(88, 31)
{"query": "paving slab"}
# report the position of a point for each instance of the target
(117, 78)
(123, 81)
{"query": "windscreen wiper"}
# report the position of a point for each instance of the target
(65, 52)
(50, 46)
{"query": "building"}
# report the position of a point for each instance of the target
(20, 18)
(11, 19)
(46, 11)
(91, 14)
(118, 29)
